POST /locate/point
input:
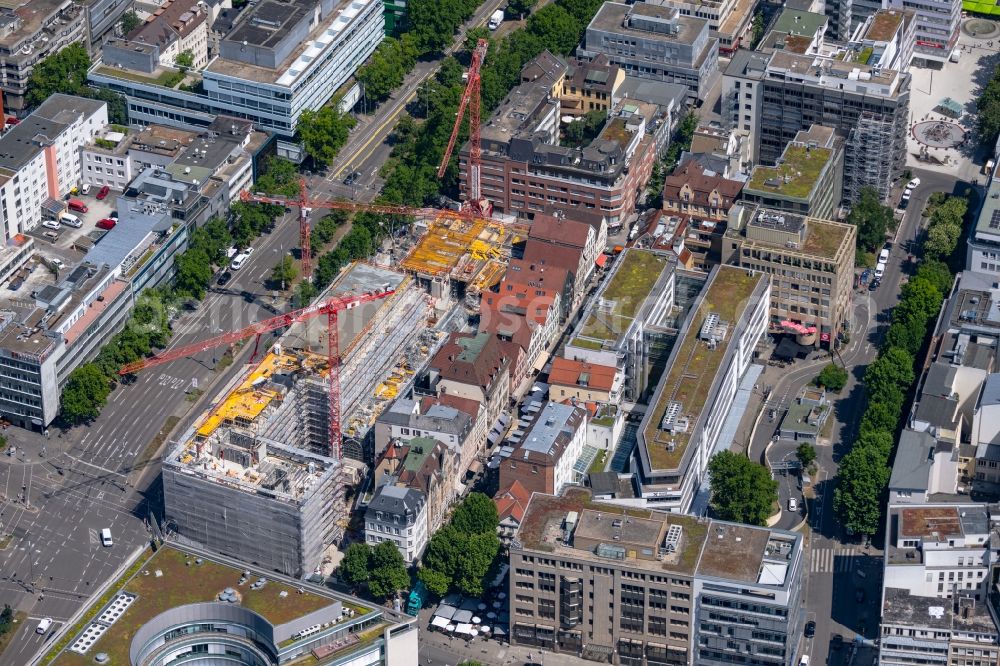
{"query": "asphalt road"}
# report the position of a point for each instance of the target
(833, 585)
(84, 479)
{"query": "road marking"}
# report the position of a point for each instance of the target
(831, 560)
(390, 119)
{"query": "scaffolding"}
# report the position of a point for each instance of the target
(870, 158)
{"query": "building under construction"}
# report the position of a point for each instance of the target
(253, 477)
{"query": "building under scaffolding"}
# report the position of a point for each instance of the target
(275, 416)
(865, 163)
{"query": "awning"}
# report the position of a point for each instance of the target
(602, 259)
(438, 621)
(494, 437)
(797, 327)
(445, 611)
(464, 628)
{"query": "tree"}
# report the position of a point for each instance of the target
(477, 514)
(863, 474)
(324, 133)
(388, 67)
(64, 71)
(474, 562)
(832, 377)
(757, 29)
(280, 177)
(806, 453)
(472, 37)
(85, 394)
(283, 274)
(194, 272)
(585, 128)
(519, 8)
(354, 568)
(891, 371)
(388, 571)
(184, 60)
(937, 273)
(941, 240)
(871, 218)
(6, 618)
(742, 491)
(988, 111)
(436, 582)
(129, 21)
(556, 28)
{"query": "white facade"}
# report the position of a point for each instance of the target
(100, 167)
(564, 474)
(938, 23)
(398, 515)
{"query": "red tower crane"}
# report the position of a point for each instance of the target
(302, 201)
(471, 99)
(330, 307)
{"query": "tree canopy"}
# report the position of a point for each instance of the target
(279, 177)
(130, 21)
(388, 571)
(460, 554)
(832, 377)
(85, 394)
(988, 111)
(872, 219)
(742, 490)
(64, 71)
(324, 133)
(354, 567)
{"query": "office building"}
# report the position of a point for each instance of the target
(525, 170)
(178, 26)
(840, 13)
(811, 262)
(278, 59)
(168, 608)
(655, 42)
(398, 515)
(886, 38)
(729, 20)
(797, 31)
(682, 427)
(938, 23)
(777, 95)
(626, 319)
(105, 160)
(30, 31)
(103, 19)
(807, 179)
(722, 150)
(590, 579)
(543, 461)
(984, 240)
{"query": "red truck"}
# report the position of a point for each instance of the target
(77, 205)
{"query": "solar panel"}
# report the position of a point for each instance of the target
(995, 220)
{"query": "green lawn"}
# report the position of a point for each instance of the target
(631, 284)
(796, 176)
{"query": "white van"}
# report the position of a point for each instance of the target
(106, 538)
(70, 220)
(804, 661)
(238, 262)
(496, 18)
(883, 256)
(43, 625)
(879, 270)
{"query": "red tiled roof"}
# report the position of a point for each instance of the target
(559, 230)
(465, 405)
(512, 502)
(548, 254)
(567, 372)
(692, 174)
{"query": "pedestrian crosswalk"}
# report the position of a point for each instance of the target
(831, 560)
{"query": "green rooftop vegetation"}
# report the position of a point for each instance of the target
(630, 285)
(825, 238)
(795, 177)
(693, 368)
(172, 578)
(170, 78)
(616, 131)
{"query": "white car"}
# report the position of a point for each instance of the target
(57, 262)
(248, 251)
(51, 224)
(43, 625)
(913, 184)
(883, 256)
(238, 262)
(793, 504)
(85, 189)
(880, 270)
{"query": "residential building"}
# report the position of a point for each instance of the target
(30, 31)
(473, 366)
(724, 151)
(585, 382)
(543, 461)
(278, 59)
(984, 239)
(105, 160)
(811, 262)
(405, 419)
(40, 159)
(703, 198)
(627, 318)
(591, 579)
(179, 26)
(525, 170)
(527, 312)
(590, 86)
(797, 31)
(924, 466)
(938, 24)
(776, 95)
(511, 505)
(729, 20)
(682, 427)
(886, 38)
(424, 464)
(398, 515)
(655, 42)
(253, 498)
(807, 179)
(590, 239)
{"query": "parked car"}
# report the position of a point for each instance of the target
(85, 189)
(43, 625)
(78, 206)
(57, 262)
(107, 224)
(793, 504)
(237, 262)
(51, 235)
(103, 192)
(224, 279)
(51, 224)
(70, 220)
(810, 629)
(113, 215)
(913, 184)
(883, 256)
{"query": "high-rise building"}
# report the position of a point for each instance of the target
(938, 25)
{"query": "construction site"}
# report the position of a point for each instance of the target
(259, 466)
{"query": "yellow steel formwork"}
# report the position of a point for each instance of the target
(450, 239)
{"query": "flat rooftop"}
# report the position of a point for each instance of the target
(33, 14)
(693, 365)
(614, 308)
(831, 73)
(884, 25)
(747, 554)
(795, 177)
(904, 609)
(173, 577)
(669, 24)
(797, 22)
(544, 523)
(938, 523)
